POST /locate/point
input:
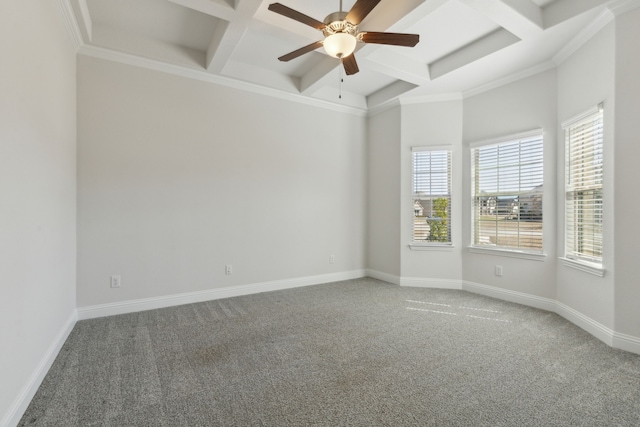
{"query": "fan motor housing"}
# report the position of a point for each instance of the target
(335, 16)
(336, 23)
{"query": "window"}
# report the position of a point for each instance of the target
(507, 193)
(583, 187)
(431, 196)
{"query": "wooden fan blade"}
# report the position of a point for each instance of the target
(295, 15)
(350, 65)
(360, 10)
(397, 39)
(301, 51)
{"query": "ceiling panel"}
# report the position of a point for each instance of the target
(155, 19)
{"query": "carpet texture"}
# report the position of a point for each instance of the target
(359, 352)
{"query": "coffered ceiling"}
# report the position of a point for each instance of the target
(465, 45)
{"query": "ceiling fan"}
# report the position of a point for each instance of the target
(341, 33)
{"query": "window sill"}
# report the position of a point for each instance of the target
(587, 267)
(430, 247)
(508, 253)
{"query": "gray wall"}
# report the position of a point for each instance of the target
(431, 124)
(584, 80)
(178, 178)
(518, 107)
(627, 174)
(383, 235)
(37, 196)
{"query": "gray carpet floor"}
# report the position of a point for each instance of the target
(359, 352)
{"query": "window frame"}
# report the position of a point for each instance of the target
(510, 251)
(571, 258)
(423, 244)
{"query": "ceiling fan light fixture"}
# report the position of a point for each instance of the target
(340, 45)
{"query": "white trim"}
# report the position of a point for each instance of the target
(429, 99)
(536, 69)
(419, 282)
(591, 268)
(202, 75)
(385, 277)
(582, 116)
(423, 148)
(405, 100)
(431, 247)
(508, 138)
(623, 6)
(385, 106)
(69, 18)
(132, 306)
(626, 342)
(583, 36)
(596, 329)
(19, 406)
(593, 327)
(508, 253)
(509, 295)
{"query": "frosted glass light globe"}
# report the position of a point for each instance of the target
(340, 45)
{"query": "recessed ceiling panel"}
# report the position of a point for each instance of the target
(159, 20)
(450, 27)
(263, 50)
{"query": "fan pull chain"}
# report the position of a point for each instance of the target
(341, 79)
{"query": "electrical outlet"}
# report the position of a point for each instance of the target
(332, 259)
(116, 281)
(228, 269)
(499, 270)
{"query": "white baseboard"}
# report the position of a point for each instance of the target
(603, 333)
(132, 306)
(626, 342)
(596, 329)
(512, 296)
(419, 282)
(385, 277)
(12, 418)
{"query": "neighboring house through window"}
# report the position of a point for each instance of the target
(507, 193)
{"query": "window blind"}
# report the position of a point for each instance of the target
(507, 194)
(431, 196)
(584, 140)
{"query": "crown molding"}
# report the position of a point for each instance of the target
(623, 6)
(385, 106)
(69, 18)
(427, 99)
(584, 36)
(191, 73)
(615, 8)
(532, 71)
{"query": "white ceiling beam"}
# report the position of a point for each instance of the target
(562, 10)
(520, 17)
(228, 35)
(388, 93)
(218, 8)
(396, 65)
(478, 49)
